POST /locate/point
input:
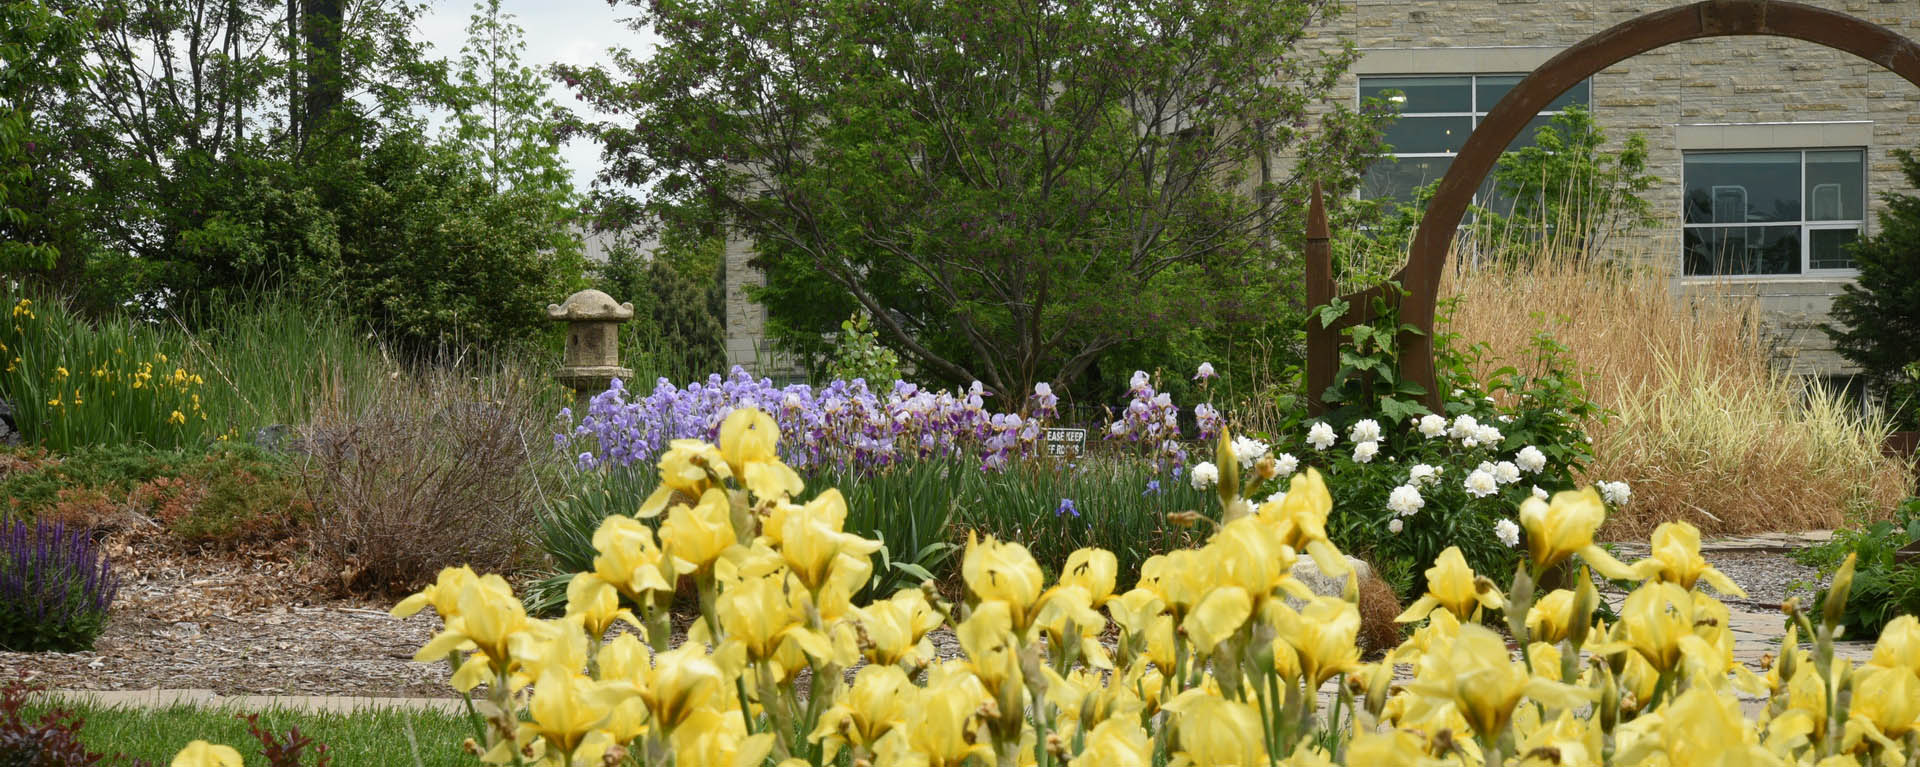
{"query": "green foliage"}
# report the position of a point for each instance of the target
(251, 363)
(56, 588)
(1876, 320)
(1567, 189)
(41, 56)
(235, 495)
(33, 484)
(1542, 405)
(243, 497)
(1009, 191)
(76, 383)
(678, 300)
(1882, 587)
(858, 353)
(230, 163)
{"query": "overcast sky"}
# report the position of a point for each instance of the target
(570, 31)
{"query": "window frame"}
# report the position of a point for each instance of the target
(1475, 116)
(1806, 226)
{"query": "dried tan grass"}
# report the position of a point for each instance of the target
(1703, 427)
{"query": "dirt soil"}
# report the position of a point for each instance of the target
(237, 624)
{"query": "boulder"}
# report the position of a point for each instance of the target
(1308, 572)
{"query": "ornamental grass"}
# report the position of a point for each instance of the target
(1220, 656)
(1705, 427)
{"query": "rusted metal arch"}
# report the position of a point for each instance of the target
(1428, 257)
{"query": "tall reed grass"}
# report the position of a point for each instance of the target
(1705, 426)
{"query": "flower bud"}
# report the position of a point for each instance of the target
(1833, 610)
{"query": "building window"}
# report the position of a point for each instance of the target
(1437, 113)
(1773, 212)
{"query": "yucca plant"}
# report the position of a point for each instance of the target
(55, 588)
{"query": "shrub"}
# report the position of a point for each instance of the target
(55, 589)
(1883, 587)
(435, 471)
(51, 741)
(1702, 425)
(1413, 483)
(1877, 316)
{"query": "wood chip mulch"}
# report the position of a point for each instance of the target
(237, 624)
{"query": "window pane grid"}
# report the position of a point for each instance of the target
(1772, 213)
(1479, 93)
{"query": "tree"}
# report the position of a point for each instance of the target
(502, 110)
(182, 181)
(1008, 190)
(1876, 319)
(678, 298)
(1567, 189)
(42, 55)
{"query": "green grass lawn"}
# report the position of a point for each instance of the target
(376, 737)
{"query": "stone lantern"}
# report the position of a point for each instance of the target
(592, 358)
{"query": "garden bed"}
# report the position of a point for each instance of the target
(238, 624)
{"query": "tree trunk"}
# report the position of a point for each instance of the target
(320, 31)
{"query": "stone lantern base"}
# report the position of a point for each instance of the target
(589, 381)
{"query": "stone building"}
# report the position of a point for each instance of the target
(1771, 152)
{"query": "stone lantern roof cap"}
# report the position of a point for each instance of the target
(590, 304)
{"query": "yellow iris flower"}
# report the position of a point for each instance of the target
(1003, 572)
(1475, 674)
(697, 535)
(203, 754)
(1453, 586)
(878, 701)
(628, 558)
(1564, 526)
(1676, 559)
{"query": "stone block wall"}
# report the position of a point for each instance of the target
(1728, 93)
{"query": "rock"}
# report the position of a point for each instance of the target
(1308, 572)
(276, 438)
(9, 431)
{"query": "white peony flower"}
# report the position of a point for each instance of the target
(1538, 493)
(1616, 493)
(1367, 430)
(1286, 464)
(1479, 483)
(1203, 475)
(1395, 526)
(1487, 435)
(1405, 501)
(1422, 474)
(1432, 426)
(1508, 532)
(1463, 426)
(1531, 460)
(1248, 450)
(1320, 436)
(1365, 451)
(1506, 473)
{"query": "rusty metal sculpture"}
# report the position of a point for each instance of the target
(1421, 276)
